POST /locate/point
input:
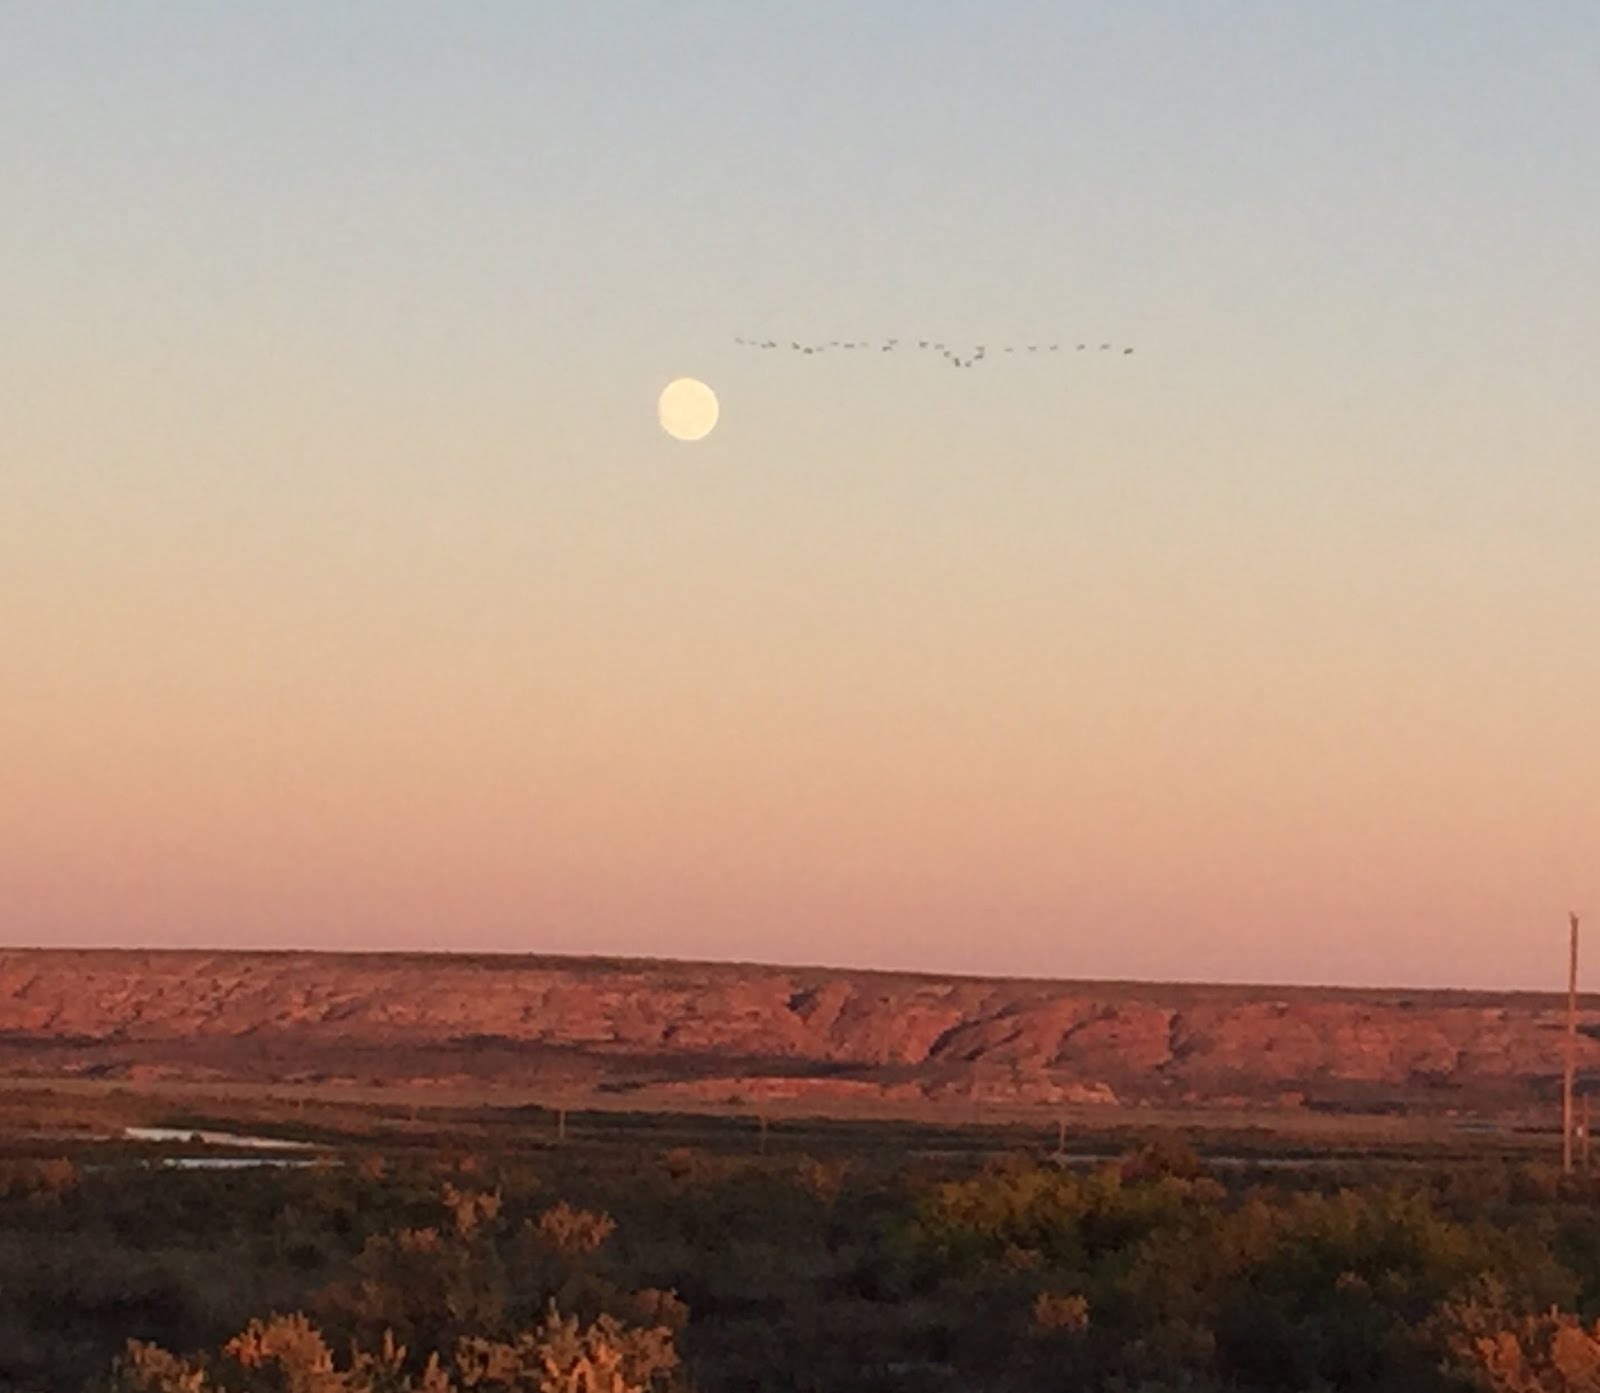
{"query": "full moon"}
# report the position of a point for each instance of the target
(688, 409)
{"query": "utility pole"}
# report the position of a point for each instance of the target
(1570, 1066)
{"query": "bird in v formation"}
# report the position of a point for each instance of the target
(969, 358)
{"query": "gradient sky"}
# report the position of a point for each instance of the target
(350, 595)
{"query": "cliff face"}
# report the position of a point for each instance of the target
(713, 1031)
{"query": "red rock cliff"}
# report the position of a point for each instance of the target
(795, 1031)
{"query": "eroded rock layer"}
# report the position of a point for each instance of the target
(715, 1032)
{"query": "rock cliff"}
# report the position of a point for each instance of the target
(715, 1032)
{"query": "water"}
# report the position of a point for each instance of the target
(236, 1140)
(233, 1163)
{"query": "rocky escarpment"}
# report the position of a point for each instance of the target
(712, 1031)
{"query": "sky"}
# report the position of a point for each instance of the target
(351, 595)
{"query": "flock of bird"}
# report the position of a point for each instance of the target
(969, 358)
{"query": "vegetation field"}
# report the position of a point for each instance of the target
(428, 1245)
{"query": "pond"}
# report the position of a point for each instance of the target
(234, 1140)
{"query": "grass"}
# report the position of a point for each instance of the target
(87, 1117)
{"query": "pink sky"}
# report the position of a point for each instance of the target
(350, 596)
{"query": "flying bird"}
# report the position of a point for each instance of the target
(973, 356)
